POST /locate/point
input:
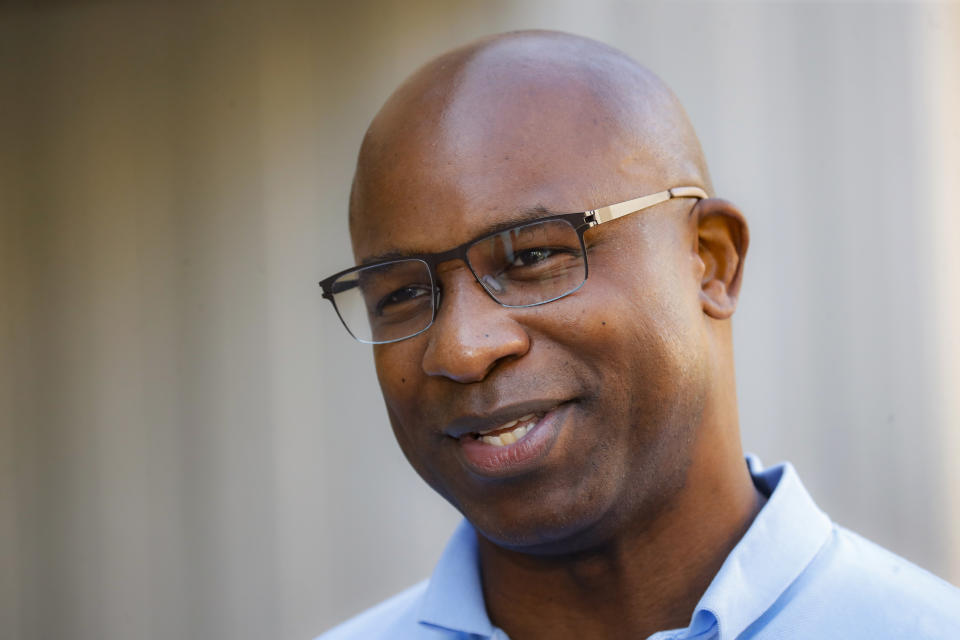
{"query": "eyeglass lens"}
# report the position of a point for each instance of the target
(523, 266)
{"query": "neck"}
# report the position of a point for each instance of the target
(647, 578)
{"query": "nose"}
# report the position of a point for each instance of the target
(472, 332)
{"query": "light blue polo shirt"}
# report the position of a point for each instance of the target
(794, 574)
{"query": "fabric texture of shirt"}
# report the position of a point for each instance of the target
(794, 574)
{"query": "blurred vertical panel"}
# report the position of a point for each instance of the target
(190, 446)
(941, 74)
(839, 222)
(15, 376)
(144, 464)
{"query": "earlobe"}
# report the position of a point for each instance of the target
(722, 240)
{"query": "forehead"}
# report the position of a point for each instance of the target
(438, 167)
(447, 191)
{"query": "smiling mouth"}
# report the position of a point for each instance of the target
(514, 447)
(509, 432)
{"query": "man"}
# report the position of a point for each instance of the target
(566, 381)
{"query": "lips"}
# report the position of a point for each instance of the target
(488, 420)
(512, 446)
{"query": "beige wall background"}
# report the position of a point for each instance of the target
(192, 448)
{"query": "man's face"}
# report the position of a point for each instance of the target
(613, 374)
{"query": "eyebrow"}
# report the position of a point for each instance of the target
(527, 215)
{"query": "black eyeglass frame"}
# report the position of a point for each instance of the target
(579, 221)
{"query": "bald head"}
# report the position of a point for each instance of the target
(502, 110)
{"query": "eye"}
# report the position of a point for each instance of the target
(404, 295)
(400, 297)
(529, 257)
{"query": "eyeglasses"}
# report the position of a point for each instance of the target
(526, 265)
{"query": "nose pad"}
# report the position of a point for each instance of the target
(492, 283)
(472, 332)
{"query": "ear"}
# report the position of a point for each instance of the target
(722, 240)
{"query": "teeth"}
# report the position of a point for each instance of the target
(520, 427)
(503, 426)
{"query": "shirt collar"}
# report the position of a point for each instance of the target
(780, 543)
(454, 597)
(782, 540)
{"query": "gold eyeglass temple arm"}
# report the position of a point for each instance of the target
(614, 211)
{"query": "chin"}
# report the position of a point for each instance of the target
(552, 523)
(540, 529)
(556, 539)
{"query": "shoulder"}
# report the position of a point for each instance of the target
(449, 604)
(394, 618)
(851, 560)
(855, 588)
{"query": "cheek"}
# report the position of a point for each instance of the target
(649, 337)
(398, 369)
(670, 332)
(659, 299)
(401, 389)
(401, 384)
(418, 453)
